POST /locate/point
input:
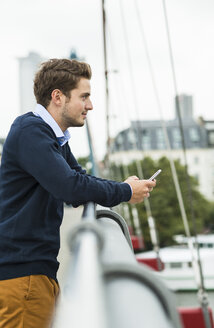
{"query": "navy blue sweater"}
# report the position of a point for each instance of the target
(37, 176)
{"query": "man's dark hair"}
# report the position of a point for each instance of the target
(62, 74)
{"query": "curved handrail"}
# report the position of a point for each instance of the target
(106, 287)
(117, 218)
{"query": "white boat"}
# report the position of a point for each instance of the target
(178, 273)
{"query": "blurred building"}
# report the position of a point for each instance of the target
(2, 140)
(146, 138)
(27, 68)
(73, 55)
(186, 106)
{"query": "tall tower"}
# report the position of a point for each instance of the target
(186, 106)
(27, 68)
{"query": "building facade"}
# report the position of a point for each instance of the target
(147, 138)
(27, 67)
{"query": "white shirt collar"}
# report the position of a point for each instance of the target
(46, 116)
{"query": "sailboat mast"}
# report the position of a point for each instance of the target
(106, 84)
(94, 169)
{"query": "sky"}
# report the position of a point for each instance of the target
(52, 28)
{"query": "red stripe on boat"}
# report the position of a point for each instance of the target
(193, 317)
(154, 263)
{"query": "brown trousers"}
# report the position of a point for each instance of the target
(27, 302)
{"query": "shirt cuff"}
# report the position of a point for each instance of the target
(130, 189)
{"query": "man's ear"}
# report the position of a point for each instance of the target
(57, 96)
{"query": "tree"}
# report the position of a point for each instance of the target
(164, 203)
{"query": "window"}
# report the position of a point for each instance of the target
(175, 265)
(131, 139)
(196, 160)
(194, 135)
(210, 245)
(146, 139)
(176, 138)
(119, 142)
(196, 176)
(211, 138)
(160, 139)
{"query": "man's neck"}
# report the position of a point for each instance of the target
(54, 112)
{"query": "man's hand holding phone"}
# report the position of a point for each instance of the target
(141, 188)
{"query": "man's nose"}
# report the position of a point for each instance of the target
(89, 105)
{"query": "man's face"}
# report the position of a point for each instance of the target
(76, 107)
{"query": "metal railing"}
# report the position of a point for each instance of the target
(105, 286)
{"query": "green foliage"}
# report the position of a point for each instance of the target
(164, 202)
(85, 163)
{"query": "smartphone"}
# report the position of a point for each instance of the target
(154, 175)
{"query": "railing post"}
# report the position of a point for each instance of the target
(82, 302)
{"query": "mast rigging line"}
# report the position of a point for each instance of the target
(196, 264)
(138, 165)
(198, 268)
(136, 225)
(174, 173)
(178, 108)
(168, 146)
(106, 84)
(106, 81)
(172, 165)
(125, 169)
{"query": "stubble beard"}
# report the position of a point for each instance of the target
(69, 121)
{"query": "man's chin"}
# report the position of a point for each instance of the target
(77, 124)
(81, 123)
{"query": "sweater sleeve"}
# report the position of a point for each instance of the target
(74, 165)
(39, 155)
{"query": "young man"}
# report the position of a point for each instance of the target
(38, 173)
